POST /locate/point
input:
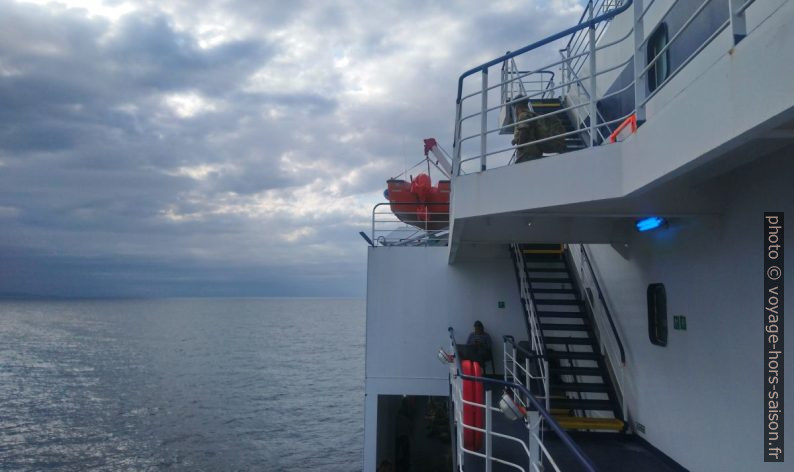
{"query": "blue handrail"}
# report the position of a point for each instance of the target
(577, 452)
(587, 24)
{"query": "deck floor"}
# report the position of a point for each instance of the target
(611, 452)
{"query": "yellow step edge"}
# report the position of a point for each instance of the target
(542, 251)
(554, 249)
(573, 422)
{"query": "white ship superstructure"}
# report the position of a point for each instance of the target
(629, 349)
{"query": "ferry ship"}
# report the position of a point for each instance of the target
(617, 267)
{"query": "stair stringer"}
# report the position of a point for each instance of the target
(608, 367)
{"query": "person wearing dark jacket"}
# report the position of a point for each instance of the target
(479, 344)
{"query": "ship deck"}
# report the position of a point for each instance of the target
(614, 452)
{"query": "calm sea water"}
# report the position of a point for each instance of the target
(182, 384)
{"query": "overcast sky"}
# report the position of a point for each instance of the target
(226, 148)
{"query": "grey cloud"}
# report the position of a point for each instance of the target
(113, 192)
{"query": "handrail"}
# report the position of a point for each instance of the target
(549, 39)
(586, 258)
(533, 321)
(529, 355)
(411, 231)
(581, 18)
(585, 116)
(578, 39)
(577, 452)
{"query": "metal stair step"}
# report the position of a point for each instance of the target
(564, 327)
(580, 387)
(562, 280)
(542, 248)
(568, 340)
(550, 256)
(589, 371)
(593, 356)
(547, 269)
(554, 301)
(561, 314)
(573, 422)
(575, 404)
(555, 290)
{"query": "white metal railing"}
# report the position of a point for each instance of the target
(489, 410)
(582, 64)
(533, 372)
(536, 421)
(523, 82)
(579, 41)
(387, 229)
(537, 345)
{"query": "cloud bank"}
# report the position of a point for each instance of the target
(231, 149)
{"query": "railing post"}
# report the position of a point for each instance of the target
(504, 358)
(456, 144)
(488, 436)
(624, 403)
(546, 383)
(459, 418)
(513, 365)
(593, 81)
(483, 119)
(565, 54)
(533, 417)
(639, 64)
(373, 224)
(738, 22)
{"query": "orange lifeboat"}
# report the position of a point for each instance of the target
(419, 203)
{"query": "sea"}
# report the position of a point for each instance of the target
(182, 384)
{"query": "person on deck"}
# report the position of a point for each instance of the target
(479, 343)
(525, 132)
(549, 128)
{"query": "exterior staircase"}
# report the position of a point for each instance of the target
(573, 142)
(582, 396)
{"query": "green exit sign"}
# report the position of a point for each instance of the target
(679, 322)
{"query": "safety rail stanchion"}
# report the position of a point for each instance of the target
(593, 83)
(488, 430)
(484, 120)
(639, 60)
(546, 383)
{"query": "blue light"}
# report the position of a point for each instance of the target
(647, 224)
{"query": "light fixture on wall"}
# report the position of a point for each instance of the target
(650, 223)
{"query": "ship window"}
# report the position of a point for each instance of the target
(657, 314)
(660, 69)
